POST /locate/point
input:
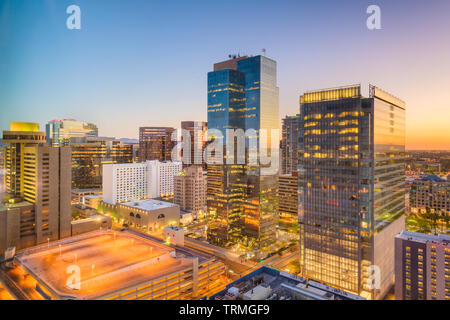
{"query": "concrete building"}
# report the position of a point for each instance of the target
(143, 269)
(136, 181)
(197, 135)
(190, 189)
(79, 194)
(289, 144)
(59, 132)
(149, 215)
(174, 235)
(39, 175)
(89, 224)
(288, 199)
(155, 143)
(422, 266)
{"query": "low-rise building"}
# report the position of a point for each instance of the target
(422, 266)
(148, 215)
(92, 223)
(270, 284)
(143, 269)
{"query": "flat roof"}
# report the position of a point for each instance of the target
(96, 190)
(148, 204)
(109, 261)
(424, 238)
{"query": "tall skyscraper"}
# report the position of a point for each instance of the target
(38, 183)
(90, 154)
(59, 132)
(242, 201)
(351, 186)
(197, 132)
(289, 144)
(155, 143)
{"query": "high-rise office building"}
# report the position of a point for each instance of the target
(155, 143)
(197, 134)
(90, 154)
(242, 200)
(288, 199)
(59, 132)
(124, 182)
(38, 183)
(190, 189)
(422, 266)
(351, 186)
(289, 144)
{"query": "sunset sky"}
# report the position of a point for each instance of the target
(140, 62)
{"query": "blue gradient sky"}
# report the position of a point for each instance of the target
(140, 62)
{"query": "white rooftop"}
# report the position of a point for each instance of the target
(148, 204)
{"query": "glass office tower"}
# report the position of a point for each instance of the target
(225, 182)
(351, 186)
(261, 115)
(242, 202)
(59, 132)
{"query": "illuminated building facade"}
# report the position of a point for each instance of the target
(59, 132)
(225, 182)
(289, 144)
(155, 143)
(429, 192)
(288, 199)
(38, 183)
(261, 115)
(351, 186)
(422, 266)
(90, 154)
(242, 199)
(143, 269)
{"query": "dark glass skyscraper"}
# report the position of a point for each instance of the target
(242, 202)
(225, 182)
(351, 186)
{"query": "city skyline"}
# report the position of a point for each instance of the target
(83, 74)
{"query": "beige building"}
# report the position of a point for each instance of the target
(148, 215)
(40, 175)
(190, 189)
